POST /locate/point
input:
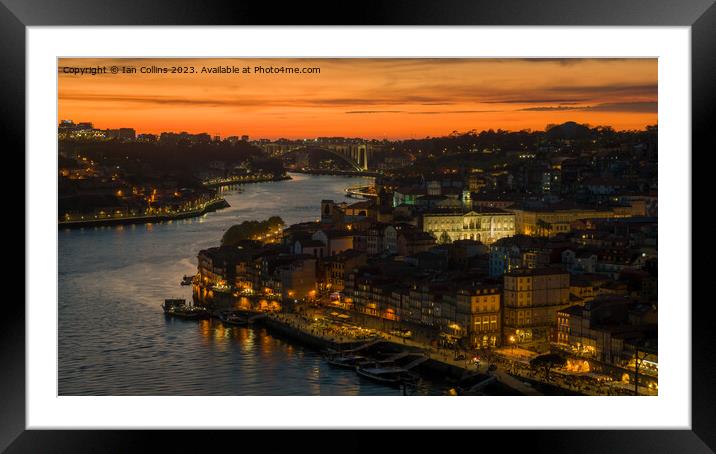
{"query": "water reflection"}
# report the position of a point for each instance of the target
(114, 339)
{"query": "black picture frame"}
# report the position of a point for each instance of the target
(700, 15)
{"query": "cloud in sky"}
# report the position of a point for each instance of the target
(419, 112)
(646, 107)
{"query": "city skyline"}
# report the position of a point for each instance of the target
(371, 98)
(501, 264)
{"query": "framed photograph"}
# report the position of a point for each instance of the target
(405, 215)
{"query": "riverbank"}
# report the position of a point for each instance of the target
(439, 363)
(243, 180)
(292, 326)
(361, 192)
(111, 281)
(210, 206)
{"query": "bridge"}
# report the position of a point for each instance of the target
(356, 155)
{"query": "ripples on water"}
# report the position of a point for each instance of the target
(115, 340)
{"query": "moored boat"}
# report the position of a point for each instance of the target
(344, 361)
(392, 376)
(175, 307)
(232, 318)
(171, 304)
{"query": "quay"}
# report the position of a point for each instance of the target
(304, 329)
(242, 180)
(299, 328)
(361, 192)
(210, 206)
(363, 333)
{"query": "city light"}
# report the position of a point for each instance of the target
(510, 242)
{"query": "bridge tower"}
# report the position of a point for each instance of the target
(362, 156)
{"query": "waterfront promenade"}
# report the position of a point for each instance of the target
(118, 219)
(228, 181)
(448, 357)
(513, 368)
(314, 331)
(323, 332)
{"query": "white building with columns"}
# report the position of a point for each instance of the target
(487, 227)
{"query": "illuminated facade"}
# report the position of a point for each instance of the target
(553, 221)
(486, 227)
(484, 322)
(532, 298)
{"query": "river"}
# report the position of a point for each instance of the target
(114, 339)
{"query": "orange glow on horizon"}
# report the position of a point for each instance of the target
(370, 98)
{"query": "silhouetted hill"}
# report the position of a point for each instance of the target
(568, 130)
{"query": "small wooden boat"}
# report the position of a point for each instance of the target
(232, 318)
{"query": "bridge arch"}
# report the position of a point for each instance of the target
(358, 166)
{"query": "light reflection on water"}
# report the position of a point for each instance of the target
(114, 338)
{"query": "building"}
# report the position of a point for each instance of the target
(475, 182)
(478, 306)
(578, 261)
(437, 202)
(332, 213)
(217, 265)
(586, 287)
(128, 134)
(550, 220)
(337, 266)
(519, 251)
(406, 196)
(433, 187)
(410, 241)
(532, 298)
(309, 246)
(603, 329)
(485, 226)
(365, 209)
(374, 240)
(298, 277)
(335, 241)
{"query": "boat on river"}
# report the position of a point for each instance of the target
(175, 307)
(233, 318)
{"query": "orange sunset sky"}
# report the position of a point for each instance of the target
(370, 98)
